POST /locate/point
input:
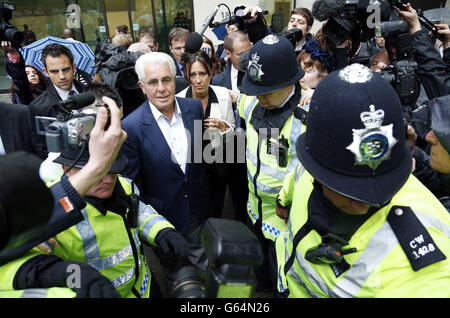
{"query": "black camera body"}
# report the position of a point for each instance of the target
(232, 252)
(403, 77)
(351, 22)
(8, 32)
(69, 130)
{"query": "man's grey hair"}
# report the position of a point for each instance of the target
(139, 47)
(154, 58)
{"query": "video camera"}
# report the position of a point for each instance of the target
(233, 252)
(8, 32)
(70, 129)
(256, 30)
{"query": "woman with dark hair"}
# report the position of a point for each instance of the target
(219, 120)
(37, 81)
(28, 81)
(317, 63)
(208, 47)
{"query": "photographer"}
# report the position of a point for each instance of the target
(431, 70)
(23, 228)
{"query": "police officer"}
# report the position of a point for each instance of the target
(361, 225)
(30, 214)
(114, 221)
(269, 107)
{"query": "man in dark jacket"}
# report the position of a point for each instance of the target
(432, 70)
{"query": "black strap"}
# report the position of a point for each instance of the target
(414, 238)
(301, 114)
(304, 230)
(135, 256)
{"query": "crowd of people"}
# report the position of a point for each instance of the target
(346, 188)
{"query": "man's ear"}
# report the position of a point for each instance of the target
(74, 66)
(141, 85)
(227, 53)
(308, 28)
(45, 70)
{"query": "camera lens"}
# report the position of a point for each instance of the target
(14, 36)
(189, 282)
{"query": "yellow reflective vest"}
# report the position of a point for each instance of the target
(265, 176)
(379, 267)
(102, 242)
(8, 272)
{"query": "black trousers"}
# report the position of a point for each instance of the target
(233, 175)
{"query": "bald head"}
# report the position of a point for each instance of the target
(68, 33)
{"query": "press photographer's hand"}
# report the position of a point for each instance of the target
(104, 145)
(410, 16)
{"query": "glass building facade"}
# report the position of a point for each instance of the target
(95, 20)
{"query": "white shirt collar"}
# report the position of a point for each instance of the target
(158, 115)
(234, 78)
(64, 94)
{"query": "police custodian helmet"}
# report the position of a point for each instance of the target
(272, 65)
(355, 141)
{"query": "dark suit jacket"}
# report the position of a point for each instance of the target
(223, 79)
(43, 105)
(14, 127)
(162, 183)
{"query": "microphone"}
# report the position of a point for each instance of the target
(208, 20)
(193, 42)
(77, 101)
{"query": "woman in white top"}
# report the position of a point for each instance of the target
(219, 120)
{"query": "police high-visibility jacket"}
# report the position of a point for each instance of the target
(102, 242)
(8, 272)
(380, 267)
(265, 176)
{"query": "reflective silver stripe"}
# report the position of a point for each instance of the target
(35, 293)
(295, 133)
(263, 187)
(283, 288)
(249, 108)
(91, 249)
(269, 171)
(310, 273)
(122, 279)
(117, 257)
(297, 278)
(430, 221)
(145, 212)
(379, 246)
(90, 246)
(299, 172)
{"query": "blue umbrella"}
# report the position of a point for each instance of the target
(82, 53)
